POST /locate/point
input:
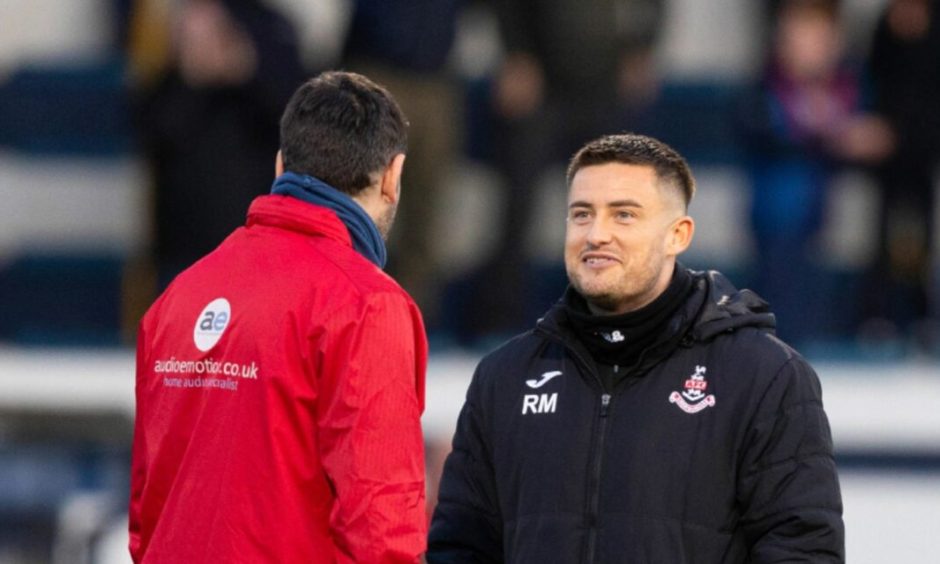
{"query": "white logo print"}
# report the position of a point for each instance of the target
(546, 376)
(211, 323)
(693, 398)
(615, 337)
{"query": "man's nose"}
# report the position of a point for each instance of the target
(599, 232)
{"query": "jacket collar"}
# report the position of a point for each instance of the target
(713, 306)
(363, 232)
(292, 214)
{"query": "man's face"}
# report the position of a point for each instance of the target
(620, 243)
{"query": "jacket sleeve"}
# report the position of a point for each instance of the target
(787, 485)
(369, 431)
(138, 457)
(467, 526)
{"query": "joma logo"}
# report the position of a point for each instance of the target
(539, 403)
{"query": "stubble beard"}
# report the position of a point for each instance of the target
(630, 289)
(386, 221)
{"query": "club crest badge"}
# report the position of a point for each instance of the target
(693, 399)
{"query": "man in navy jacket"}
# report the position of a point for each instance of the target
(651, 415)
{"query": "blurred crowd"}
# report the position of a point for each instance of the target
(210, 77)
(816, 111)
(511, 88)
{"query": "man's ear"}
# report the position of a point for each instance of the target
(680, 235)
(278, 164)
(390, 186)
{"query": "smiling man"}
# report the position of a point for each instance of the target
(651, 415)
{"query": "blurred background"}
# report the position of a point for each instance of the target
(134, 133)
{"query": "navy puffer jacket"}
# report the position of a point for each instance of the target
(714, 448)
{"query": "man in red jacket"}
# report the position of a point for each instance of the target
(280, 379)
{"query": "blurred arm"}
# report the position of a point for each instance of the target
(370, 433)
(138, 458)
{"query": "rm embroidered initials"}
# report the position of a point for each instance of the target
(539, 403)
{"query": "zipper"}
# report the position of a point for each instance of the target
(594, 481)
(596, 455)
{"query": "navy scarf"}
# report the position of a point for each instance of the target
(366, 238)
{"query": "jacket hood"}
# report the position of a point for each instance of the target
(713, 306)
(727, 308)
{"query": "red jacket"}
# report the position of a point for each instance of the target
(280, 384)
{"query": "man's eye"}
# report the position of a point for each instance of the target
(581, 214)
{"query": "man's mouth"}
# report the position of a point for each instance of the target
(598, 260)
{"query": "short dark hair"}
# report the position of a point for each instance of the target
(342, 128)
(634, 149)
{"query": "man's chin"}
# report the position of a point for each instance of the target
(599, 297)
(603, 302)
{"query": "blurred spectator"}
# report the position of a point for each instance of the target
(572, 71)
(208, 117)
(405, 45)
(905, 70)
(802, 122)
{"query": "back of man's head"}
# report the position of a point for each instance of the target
(342, 128)
(629, 148)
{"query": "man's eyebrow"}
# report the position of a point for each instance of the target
(624, 204)
(615, 204)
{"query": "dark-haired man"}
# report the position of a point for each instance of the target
(280, 379)
(651, 415)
